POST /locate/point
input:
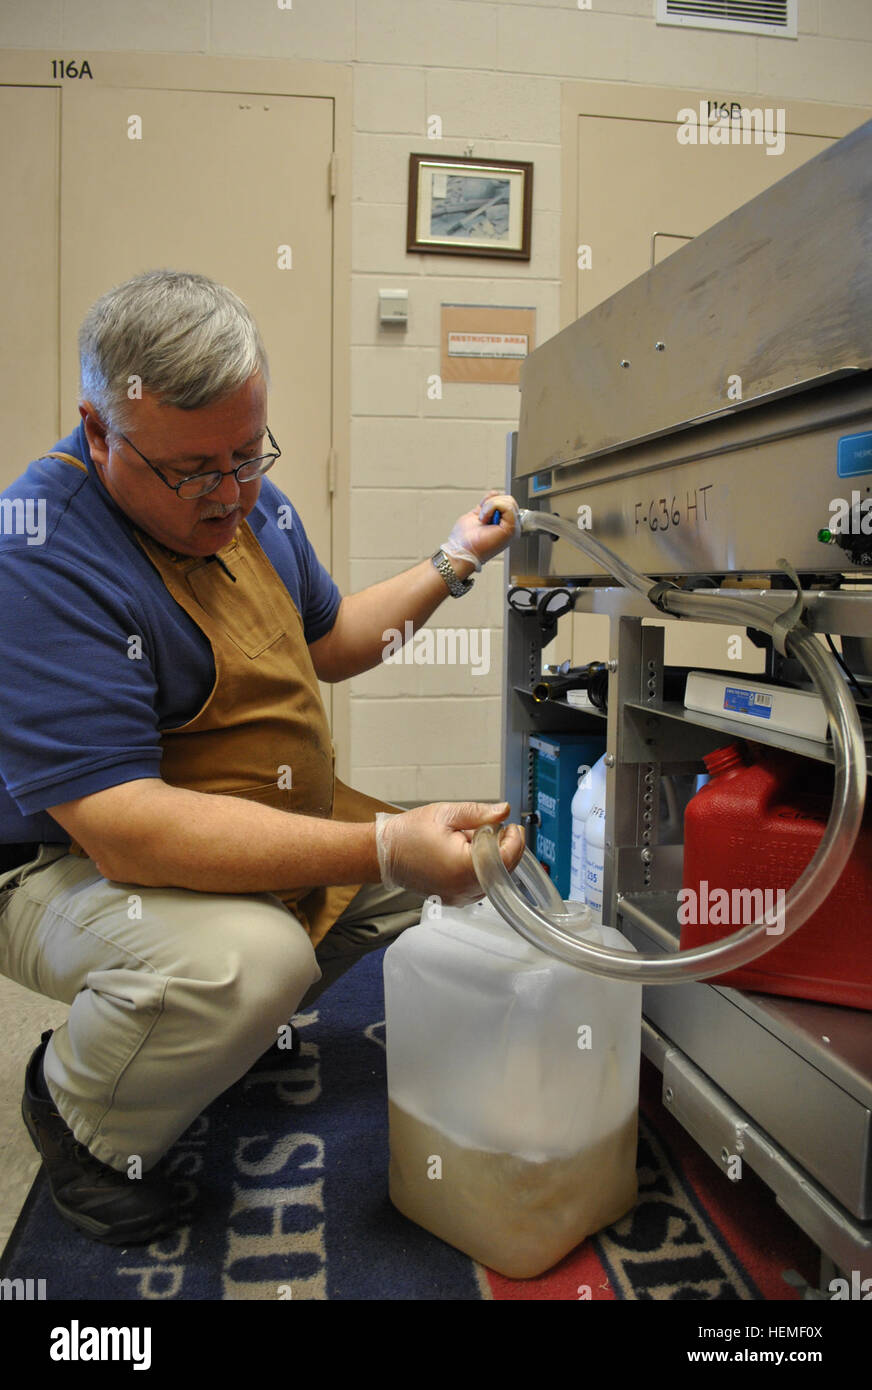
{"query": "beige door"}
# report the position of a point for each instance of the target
(636, 182)
(231, 185)
(641, 196)
(28, 274)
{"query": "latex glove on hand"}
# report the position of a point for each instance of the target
(475, 538)
(428, 850)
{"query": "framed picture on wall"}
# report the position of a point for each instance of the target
(470, 207)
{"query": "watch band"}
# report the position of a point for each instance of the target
(456, 587)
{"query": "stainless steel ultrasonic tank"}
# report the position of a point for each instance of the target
(698, 412)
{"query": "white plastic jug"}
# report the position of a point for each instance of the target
(513, 1084)
(581, 804)
(595, 841)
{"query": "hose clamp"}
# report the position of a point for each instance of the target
(657, 592)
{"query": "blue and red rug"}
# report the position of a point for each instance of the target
(287, 1174)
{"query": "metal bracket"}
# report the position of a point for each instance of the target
(546, 606)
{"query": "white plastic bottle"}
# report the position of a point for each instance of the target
(595, 842)
(581, 804)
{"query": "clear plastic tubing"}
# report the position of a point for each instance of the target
(546, 927)
(539, 885)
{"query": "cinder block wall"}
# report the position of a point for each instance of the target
(491, 70)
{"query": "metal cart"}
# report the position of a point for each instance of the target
(708, 415)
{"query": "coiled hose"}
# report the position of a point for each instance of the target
(545, 925)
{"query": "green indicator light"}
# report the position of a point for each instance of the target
(825, 536)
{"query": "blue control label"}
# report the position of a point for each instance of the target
(542, 481)
(855, 455)
(748, 702)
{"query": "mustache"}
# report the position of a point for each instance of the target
(216, 510)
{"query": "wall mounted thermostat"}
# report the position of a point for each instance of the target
(393, 306)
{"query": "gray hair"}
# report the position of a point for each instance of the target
(188, 340)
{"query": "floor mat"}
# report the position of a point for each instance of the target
(287, 1174)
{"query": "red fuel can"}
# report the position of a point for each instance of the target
(748, 835)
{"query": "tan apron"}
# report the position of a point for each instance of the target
(263, 725)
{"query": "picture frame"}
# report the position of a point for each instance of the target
(460, 206)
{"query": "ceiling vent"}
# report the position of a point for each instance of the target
(777, 18)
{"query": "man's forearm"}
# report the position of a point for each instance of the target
(357, 643)
(149, 833)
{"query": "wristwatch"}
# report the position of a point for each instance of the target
(456, 587)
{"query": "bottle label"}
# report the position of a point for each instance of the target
(594, 866)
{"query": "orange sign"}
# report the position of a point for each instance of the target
(484, 344)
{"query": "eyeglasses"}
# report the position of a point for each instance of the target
(198, 484)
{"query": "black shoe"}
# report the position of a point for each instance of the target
(98, 1200)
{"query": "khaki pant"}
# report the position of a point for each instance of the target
(173, 994)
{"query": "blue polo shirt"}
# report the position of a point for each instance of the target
(77, 714)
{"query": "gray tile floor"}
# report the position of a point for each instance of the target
(25, 1016)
